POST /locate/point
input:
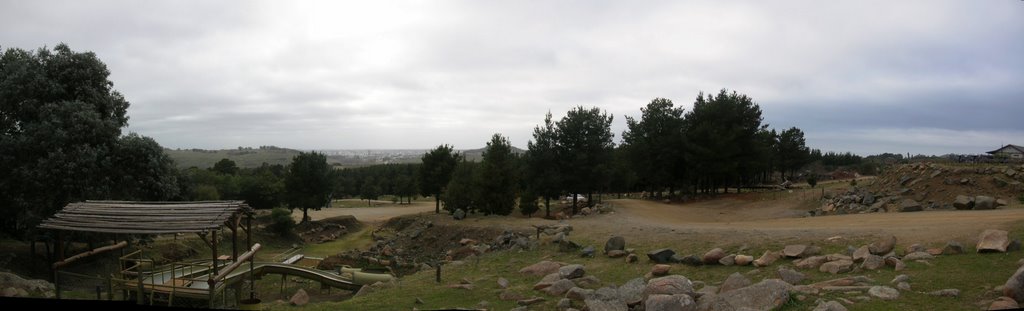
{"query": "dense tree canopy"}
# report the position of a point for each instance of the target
(436, 172)
(655, 144)
(497, 177)
(60, 138)
(541, 172)
(584, 144)
(308, 183)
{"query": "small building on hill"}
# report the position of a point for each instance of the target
(1009, 152)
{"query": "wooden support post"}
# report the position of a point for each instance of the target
(438, 275)
(234, 240)
(56, 282)
(213, 250)
(138, 268)
(248, 242)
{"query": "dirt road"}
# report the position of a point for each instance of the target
(746, 219)
(370, 214)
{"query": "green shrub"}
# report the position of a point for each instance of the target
(281, 221)
(1021, 198)
(812, 180)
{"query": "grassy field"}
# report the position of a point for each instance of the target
(975, 275)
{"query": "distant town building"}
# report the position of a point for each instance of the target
(1009, 152)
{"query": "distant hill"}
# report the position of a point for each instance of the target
(254, 157)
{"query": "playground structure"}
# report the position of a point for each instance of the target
(196, 279)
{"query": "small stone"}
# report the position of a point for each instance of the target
(918, 256)
(418, 301)
(949, 292)
(713, 256)
(734, 281)
(1004, 303)
(617, 254)
(587, 252)
(791, 276)
(993, 240)
(660, 270)
(883, 245)
(728, 260)
(900, 278)
(632, 258)
(559, 287)
(767, 258)
(663, 255)
(300, 298)
(571, 271)
(836, 267)
(830, 306)
(563, 304)
(873, 262)
(509, 295)
(503, 282)
(884, 292)
(903, 286)
(531, 301)
(953, 248)
(743, 260)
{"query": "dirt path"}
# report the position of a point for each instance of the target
(753, 219)
(370, 214)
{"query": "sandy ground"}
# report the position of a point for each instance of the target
(731, 219)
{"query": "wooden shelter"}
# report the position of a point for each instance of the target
(151, 218)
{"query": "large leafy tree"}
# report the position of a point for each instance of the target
(542, 171)
(497, 178)
(436, 172)
(655, 144)
(721, 132)
(585, 150)
(308, 183)
(60, 138)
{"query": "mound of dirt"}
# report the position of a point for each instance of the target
(329, 229)
(926, 186)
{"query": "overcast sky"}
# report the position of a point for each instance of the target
(929, 77)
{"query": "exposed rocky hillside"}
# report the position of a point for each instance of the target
(929, 186)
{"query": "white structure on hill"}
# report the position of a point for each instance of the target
(1009, 151)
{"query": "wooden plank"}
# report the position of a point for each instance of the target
(135, 225)
(127, 231)
(71, 259)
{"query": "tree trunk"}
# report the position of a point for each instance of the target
(437, 203)
(573, 194)
(305, 216)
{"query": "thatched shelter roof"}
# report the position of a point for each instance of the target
(132, 217)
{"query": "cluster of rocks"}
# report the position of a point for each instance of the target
(12, 285)
(667, 292)
(717, 256)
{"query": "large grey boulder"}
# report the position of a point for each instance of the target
(993, 240)
(883, 245)
(615, 243)
(663, 255)
(459, 214)
(910, 205)
(743, 260)
(861, 253)
(982, 202)
(300, 298)
(579, 294)
(669, 285)
(769, 294)
(963, 202)
(678, 302)
(953, 248)
(733, 282)
(918, 256)
(1004, 303)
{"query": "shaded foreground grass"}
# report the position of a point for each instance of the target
(975, 275)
